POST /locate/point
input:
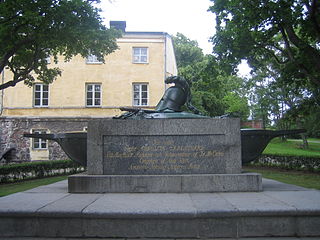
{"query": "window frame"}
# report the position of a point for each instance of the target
(92, 59)
(93, 98)
(140, 55)
(39, 141)
(140, 91)
(42, 98)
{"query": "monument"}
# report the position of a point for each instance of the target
(165, 150)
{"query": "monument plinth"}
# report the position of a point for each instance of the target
(164, 155)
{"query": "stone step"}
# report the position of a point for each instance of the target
(258, 238)
(192, 183)
(280, 210)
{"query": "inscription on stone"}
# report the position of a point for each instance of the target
(183, 154)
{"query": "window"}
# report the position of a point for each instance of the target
(41, 95)
(140, 55)
(140, 94)
(39, 143)
(93, 92)
(93, 59)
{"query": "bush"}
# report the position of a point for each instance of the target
(289, 162)
(29, 170)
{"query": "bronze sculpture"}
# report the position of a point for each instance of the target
(170, 105)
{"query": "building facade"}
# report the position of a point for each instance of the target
(132, 76)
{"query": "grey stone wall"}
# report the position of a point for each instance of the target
(11, 136)
(12, 129)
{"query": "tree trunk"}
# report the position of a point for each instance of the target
(305, 144)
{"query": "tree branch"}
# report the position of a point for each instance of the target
(271, 53)
(20, 74)
(287, 43)
(5, 59)
(9, 19)
(314, 10)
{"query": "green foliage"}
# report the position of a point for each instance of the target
(236, 104)
(213, 92)
(15, 172)
(305, 115)
(280, 40)
(289, 162)
(31, 31)
(284, 33)
(187, 51)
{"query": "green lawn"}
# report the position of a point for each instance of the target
(6, 189)
(293, 148)
(299, 178)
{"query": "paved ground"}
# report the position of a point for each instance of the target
(263, 238)
(299, 140)
(283, 209)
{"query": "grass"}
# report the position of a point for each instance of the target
(293, 148)
(299, 178)
(10, 188)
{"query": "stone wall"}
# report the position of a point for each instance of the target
(12, 129)
(289, 162)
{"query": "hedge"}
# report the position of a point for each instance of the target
(30, 170)
(289, 162)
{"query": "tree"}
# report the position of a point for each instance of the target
(214, 93)
(31, 31)
(187, 51)
(286, 33)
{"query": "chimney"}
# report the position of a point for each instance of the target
(120, 25)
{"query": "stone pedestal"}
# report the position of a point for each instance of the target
(164, 155)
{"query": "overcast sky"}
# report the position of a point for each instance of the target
(189, 17)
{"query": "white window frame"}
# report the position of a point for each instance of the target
(137, 94)
(93, 59)
(138, 56)
(94, 96)
(41, 143)
(42, 97)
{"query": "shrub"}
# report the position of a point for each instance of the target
(29, 170)
(289, 162)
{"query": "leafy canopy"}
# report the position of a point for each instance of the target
(280, 39)
(187, 51)
(214, 93)
(33, 30)
(285, 33)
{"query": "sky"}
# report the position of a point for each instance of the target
(189, 17)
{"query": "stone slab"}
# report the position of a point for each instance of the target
(164, 146)
(94, 238)
(245, 182)
(293, 213)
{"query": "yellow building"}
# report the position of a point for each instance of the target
(132, 76)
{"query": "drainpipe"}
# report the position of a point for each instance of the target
(165, 61)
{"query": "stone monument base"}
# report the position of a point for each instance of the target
(196, 183)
